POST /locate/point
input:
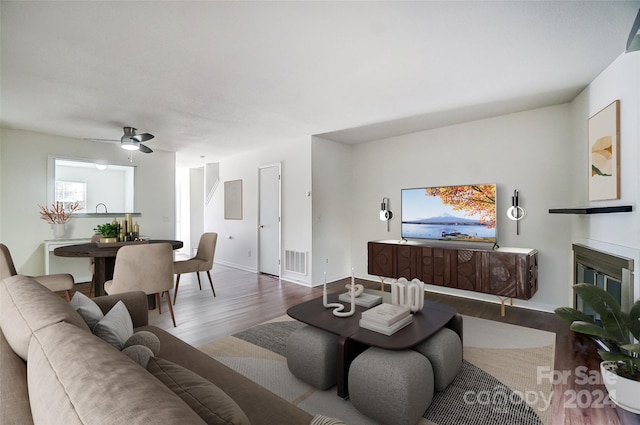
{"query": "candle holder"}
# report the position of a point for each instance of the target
(338, 307)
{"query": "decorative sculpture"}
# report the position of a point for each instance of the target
(359, 288)
(338, 307)
(408, 294)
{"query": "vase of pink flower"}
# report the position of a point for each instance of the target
(58, 216)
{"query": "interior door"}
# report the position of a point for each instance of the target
(269, 220)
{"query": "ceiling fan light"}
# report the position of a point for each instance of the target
(129, 144)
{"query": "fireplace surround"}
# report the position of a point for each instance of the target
(611, 272)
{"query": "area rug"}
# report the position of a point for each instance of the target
(497, 383)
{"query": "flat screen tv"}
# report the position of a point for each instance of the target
(450, 213)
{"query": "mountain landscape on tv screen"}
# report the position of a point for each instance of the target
(445, 219)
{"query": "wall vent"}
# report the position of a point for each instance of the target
(295, 261)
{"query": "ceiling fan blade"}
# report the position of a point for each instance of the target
(143, 137)
(145, 148)
(91, 139)
(130, 140)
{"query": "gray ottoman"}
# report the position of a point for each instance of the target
(444, 351)
(391, 387)
(312, 356)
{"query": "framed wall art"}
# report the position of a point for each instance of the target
(604, 153)
(233, 200)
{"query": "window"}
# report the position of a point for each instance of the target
(92, 184)
(68, 193)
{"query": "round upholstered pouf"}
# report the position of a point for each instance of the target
(312, 356)
(391, 387)
(444, 351)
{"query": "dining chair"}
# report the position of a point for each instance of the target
(203, 261)
(55, 282)
(92, 266)
(144, 267)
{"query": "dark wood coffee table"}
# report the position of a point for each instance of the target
(354, 339)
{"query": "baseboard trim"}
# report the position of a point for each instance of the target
(236, 266)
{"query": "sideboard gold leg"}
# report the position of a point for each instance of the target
(502, 300)
(381, 283)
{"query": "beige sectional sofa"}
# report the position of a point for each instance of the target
(54, 370)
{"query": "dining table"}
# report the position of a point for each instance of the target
(104, 255)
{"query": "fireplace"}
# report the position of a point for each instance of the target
(610, 272)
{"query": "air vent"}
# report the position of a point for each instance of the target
(295, 261)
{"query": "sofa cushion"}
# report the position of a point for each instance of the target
(26, 306)
(14, 394)
(139, 354)
(145, 338)
(116, 326)
(87, 308)
(205, 398)
(261, 406)
(76, 378)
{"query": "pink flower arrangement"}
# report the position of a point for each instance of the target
(58, 214)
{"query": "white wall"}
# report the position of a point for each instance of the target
(617, 233)
(196, 207)
(238, 239)
(183, 211)
(23, 169)
(332, 213)
(542, 153)
(528, 151)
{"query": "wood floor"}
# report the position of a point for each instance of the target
(245, 299)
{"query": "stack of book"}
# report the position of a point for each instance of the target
(386, 318)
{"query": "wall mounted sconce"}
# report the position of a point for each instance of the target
(516, 212)
(385, 213)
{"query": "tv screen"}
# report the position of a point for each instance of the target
(450, 213)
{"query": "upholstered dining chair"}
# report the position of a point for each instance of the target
(144, 267)
(202, 262)
(55, 282)
(92, 266)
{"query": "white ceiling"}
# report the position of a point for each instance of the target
(212, 78)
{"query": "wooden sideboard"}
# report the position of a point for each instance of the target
(504, 272)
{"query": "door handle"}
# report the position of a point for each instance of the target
(261, 226)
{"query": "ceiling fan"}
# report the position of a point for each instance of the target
(130, 140)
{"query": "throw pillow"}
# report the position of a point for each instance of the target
(116, 326)
(139, 354)
(87, 308)
(146, 338)
(212, 404)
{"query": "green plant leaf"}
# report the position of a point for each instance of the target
(591, 329)
(612, 356)
(631, 347)
(633, 322)
(607, 308)
(597, 298)
(572, 315)
(107, 230)
(634, 313)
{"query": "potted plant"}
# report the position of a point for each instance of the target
(58, 216)
(616, 329)
(109, 232)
